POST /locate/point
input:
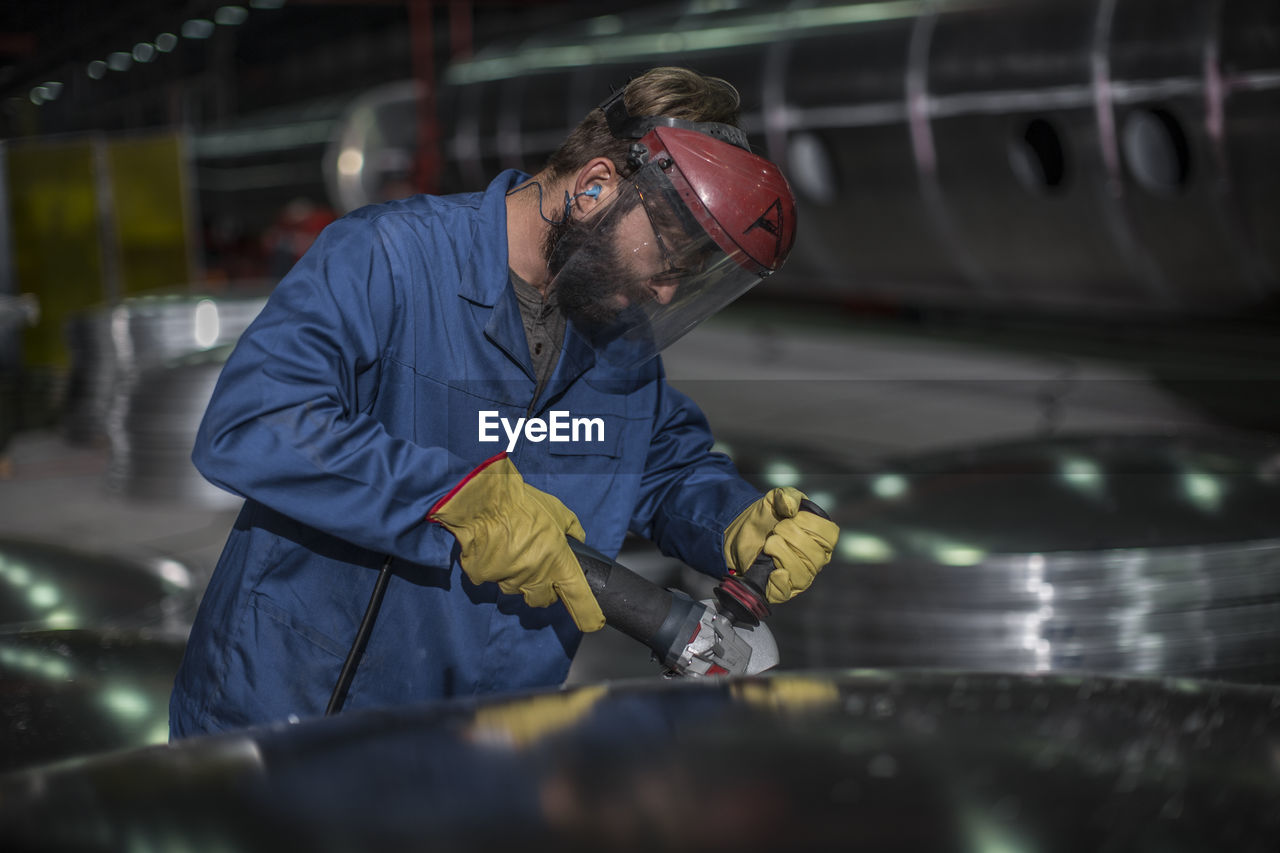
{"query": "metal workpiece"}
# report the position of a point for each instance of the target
(142, 373)
(155, 414)
(45, 587)
(89, 646)
(994, 154)
(940, 761)
(1141, 553)
(72, 693)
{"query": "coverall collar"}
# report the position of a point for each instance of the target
(488, 284)
(484, 279)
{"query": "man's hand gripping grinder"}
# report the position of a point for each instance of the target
(694, 638)
(724, 636)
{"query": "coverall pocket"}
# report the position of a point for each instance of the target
(283, 620)
(292, 667)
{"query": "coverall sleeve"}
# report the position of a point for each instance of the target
(688, 493)
(288, 424)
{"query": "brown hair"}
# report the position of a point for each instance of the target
(668, 91)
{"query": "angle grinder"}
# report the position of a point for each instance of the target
(724, 636)
(692, 638)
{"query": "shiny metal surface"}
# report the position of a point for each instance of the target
(1125, 553)
(74, 693)
(370, 158)
(810, 761)
(982, 153)
(769, 464)
(45, 586)
(142, 375)
(156, 413)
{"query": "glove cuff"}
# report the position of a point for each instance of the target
(432, 514)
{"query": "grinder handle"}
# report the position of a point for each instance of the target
(631, 603)
(757, 574)
(744, 597)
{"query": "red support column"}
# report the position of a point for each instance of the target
(427, 165)
(459, 29)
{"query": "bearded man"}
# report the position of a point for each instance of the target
(357, 417)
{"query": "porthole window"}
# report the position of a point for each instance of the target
(1037, 157)
(1156, 152)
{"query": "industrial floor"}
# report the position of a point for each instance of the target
(848, 392)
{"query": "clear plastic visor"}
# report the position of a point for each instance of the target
(642, 272)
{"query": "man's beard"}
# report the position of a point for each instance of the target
(585, 290)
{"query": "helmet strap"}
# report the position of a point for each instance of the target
(623, 125)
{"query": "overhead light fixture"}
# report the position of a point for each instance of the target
(230, 16)
(144, 52)
(197, 28)
(350, 162)
(166, 42)
(96, 69)
(120, 61)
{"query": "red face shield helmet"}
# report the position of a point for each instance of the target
(698, 222)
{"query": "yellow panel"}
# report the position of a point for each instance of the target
(147, 197)
(57, 243)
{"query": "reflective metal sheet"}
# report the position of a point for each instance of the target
(821, 475)
(1134, 553)
(143, 373)
(808, 761)
(73, 693)
(45, 586)
(156, 414)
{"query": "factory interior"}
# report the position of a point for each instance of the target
(1025, 353)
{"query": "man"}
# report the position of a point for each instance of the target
(455, 384)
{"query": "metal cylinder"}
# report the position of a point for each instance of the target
(1141, 554)
(143, 374)
(69, 694)
(830, 761)
(46, 587)
(997, 154)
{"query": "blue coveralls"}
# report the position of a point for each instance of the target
(349, 407)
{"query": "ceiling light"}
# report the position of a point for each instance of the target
(230, 16)
(197, 28)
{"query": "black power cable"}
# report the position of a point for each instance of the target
(339, 696)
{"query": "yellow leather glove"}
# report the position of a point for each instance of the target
(799, 542)
(512, 534)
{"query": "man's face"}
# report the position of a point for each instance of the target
(602, 270)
